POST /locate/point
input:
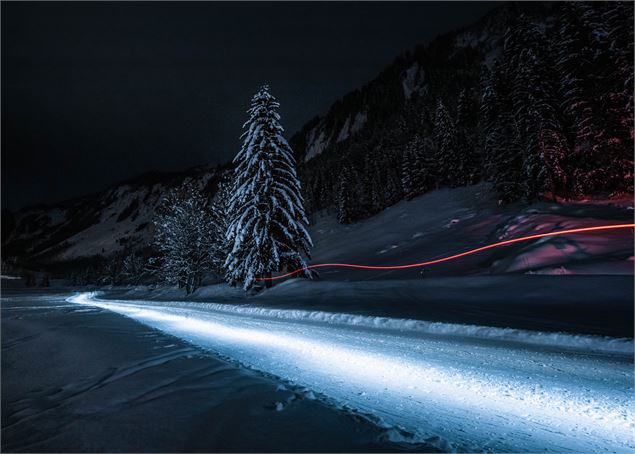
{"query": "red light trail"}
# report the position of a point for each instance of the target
(455, 256)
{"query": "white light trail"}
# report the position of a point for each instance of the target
(474, 396)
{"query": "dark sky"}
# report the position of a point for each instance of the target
(93, 93)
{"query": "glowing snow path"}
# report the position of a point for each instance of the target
(463, 392)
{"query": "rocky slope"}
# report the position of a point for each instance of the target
(117, 219)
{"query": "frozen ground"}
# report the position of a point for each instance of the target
(456, 388)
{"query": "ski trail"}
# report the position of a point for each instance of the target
(470, 392)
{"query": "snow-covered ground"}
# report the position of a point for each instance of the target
(82, 379)
(528, 347)
(456, 388)
(449, 221)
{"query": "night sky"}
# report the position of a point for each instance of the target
(93, 93)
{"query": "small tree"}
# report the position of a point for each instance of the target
(112, 271)
(133, 268)
(185, 237)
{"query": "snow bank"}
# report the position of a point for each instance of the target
(586, 343)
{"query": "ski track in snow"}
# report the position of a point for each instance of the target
(468, 388)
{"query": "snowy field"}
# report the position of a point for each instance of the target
(448, 221)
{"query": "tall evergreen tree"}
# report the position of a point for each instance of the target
(426, 174)
(469, 164)
(521, 89)
(419, 169)
(466, 114)
(345, 197)
(267, 231)
(407, 171)
(619, 24)
(508, 162)
(576, 65)
(538, 117)
(220, 223)
(374, 188)
(503, 150)
(392, 177)
(488, 112)
(615, 63)
(449, 161)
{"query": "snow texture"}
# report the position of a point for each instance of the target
(266, 231)
(412, 80)
(316, 143)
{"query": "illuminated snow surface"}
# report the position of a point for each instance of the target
(462, 390)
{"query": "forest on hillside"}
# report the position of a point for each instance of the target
(550, 116)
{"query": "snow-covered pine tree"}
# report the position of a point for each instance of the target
(267, 231)
(133, 267)
(219, 213)
(536, 177)
(324, 194)
(544, 138)
(345, 197)
(613, 24)
(575, 63)
(377, 186)
(407, 170)
(466, 114)
(502, 147)
(373, 185)
(112, 270)
(418, 166)
(508, 160)
(619, 24)
(449, 163)
(470, 165)
(391, 177)
(535, 109)
(488, 112)
(426, 174)
(185, 237)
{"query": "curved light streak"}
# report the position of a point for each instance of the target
(452, 257)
